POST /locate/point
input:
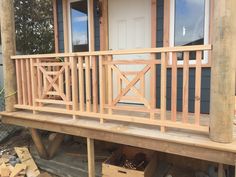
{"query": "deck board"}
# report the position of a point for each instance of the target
(172, 141)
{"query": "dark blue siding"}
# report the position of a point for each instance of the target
(60, 25)
(97, 27)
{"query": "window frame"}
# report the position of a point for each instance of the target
(70, 25)
(206, 30)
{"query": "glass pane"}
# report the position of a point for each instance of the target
(189, 22)
(79, 26)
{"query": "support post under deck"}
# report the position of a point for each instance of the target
(39, 144)
(91, 157)
(223, 71)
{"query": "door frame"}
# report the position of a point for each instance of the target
(206, 30)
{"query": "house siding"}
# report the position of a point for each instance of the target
(206, 72)
(97, 27)
(60, 26)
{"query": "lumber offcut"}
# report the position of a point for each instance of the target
(26, 159)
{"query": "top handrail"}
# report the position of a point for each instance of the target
(118, 52)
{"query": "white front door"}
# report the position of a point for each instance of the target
(130, 28)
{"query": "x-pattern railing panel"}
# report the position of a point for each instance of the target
(53, 89)
(130, 85)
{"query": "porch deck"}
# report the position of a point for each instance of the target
(173, 141)
(83, 94)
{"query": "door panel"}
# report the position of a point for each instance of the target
(130, 28)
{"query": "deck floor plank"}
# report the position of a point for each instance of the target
(172, 141)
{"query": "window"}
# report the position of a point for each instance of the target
(78, 17)
(189, 24)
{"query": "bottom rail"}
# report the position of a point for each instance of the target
(121, 118)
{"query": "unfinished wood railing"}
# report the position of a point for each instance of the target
(100, 85)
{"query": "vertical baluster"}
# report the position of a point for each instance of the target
(119, 84)
(67, 78)
(19, 83)
(142, 85)
(153, 85)
(88, 84)
(198, 74)
(45, 83)
(29, 91)
(185, 87)
(101, 86)
(110, 85)
(24, 82)
(81, 83)
(39, 79)
(34, 82)
(163, 89)
(95, 84)
(74, 74)
(60, 79)
(174, 87)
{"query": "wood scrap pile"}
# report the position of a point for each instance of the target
(19, 164)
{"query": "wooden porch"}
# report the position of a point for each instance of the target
(74, 94)
(188, 144)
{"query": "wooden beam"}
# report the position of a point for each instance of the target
(91, 26)
(188, 147)
(166, 23)
(223, 71)
(65, 25)
(121, 52)
(54, 145)
(153, 23)
(104, 25)
(55, 23)
(8, 49)
(38, 143)
(153, 56)
(91, 158)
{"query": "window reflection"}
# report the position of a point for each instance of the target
(79, 26)
(189, 22)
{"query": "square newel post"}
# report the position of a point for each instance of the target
(223, 71)
(8, 49)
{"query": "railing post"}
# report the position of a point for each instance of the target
(101, 86)
(110, 84)
(223, 73)
(163, 89)
(74, 75)
(8, 49)
(34, 83)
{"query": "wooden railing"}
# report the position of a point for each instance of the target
(95, 85)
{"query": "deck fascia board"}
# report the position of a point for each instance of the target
(199, 148)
